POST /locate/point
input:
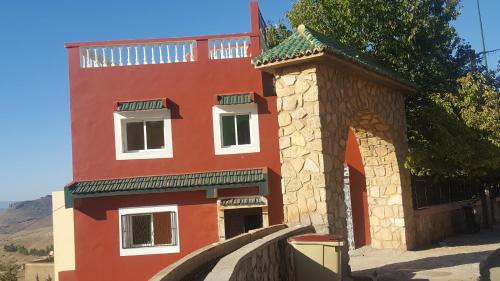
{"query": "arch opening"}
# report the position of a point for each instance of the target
(373, 197)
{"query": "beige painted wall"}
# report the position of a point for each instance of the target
(42, 270)
(64, 235)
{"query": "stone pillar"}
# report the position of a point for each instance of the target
(300, 143)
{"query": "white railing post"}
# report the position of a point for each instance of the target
(104, 57)
(112, 56)
(184, 52)
(136, 55)
(153, 61)
(88, 57)
(128, 56)
(120, 61)
(237, 48)
(96, 61)
(144, 55)
(168, 52)
(160, 52)
(176, 53)
(245, 48)
(191, 50)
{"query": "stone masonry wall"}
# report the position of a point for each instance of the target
(269, 258)
(317, 104)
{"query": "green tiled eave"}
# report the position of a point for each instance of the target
(306, 42)
(140, 105)
(242, 201)
(234, 99)
(208, 181)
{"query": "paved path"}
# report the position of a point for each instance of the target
(455, 258)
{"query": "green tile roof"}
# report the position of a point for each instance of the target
(140, 105)
(234, 99)
(178, 182)
(242, 201)
(306, 42)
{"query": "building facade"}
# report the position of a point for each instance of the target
(180, 143)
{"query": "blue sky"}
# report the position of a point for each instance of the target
(35, 130)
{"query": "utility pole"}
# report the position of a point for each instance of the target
(482, 35)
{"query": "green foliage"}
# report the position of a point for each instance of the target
(31, 252)
(465, 128)
(275, 33)
(10, 248)
(10, 273)
(453, 126)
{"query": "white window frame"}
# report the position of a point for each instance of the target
(149, 250)
(120, 120)
(221, 110)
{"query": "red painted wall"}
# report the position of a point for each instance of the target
(97, 234)
(190, 89)
(359, 197)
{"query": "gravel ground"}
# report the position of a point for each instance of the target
(453, 259)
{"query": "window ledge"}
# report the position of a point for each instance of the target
(153, 154)
(150, 250)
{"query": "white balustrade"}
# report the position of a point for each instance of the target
(129, 54)
(229, 48)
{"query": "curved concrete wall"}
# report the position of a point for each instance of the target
(265, 259)
(202, 259)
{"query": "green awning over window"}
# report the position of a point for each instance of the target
(235, 99)
(140, 105)
(208, 181)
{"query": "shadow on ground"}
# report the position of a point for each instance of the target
(407, 270)
(446, 254)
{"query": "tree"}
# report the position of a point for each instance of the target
(415, 38)
(10, 273)
(275, 33)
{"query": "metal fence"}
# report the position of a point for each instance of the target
(428, 191)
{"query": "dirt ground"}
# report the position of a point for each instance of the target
(453, 259)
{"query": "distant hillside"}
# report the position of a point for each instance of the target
(28, 224)
(26, 215)
(5, 205)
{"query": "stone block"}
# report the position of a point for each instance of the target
(284, 119)
(293, 185)
(298, 139)
(289, 80)
(289, 103)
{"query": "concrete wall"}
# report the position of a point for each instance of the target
(437, 222)
(64, 236)
(268, 258)
(41, 270)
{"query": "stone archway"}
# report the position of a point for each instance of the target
(317, 103)
(383, 183)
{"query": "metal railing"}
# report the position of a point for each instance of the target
(428, 191)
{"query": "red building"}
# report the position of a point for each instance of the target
(175, 146)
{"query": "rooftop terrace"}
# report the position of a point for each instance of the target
(126, 53)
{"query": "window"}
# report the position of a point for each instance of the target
(143, 134)
(236, 129)
(148, 230)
